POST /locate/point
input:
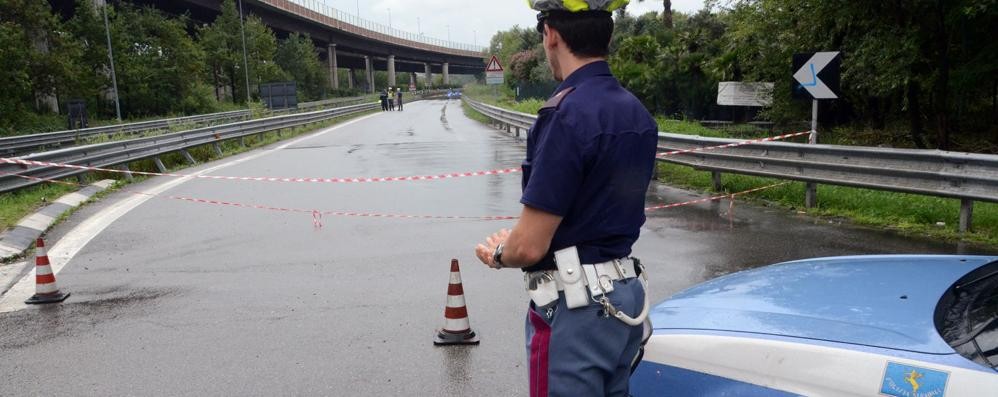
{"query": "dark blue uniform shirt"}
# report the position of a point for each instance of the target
(590, 157)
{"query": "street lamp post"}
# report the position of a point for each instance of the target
(110, 56)
(242, 30)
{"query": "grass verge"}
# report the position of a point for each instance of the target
(909, 214)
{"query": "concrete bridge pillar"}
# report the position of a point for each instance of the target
(369, 73)
(429, 75)
(446, 73)
(391, 71)
(412, 78)
(351, 77)
(334, 75)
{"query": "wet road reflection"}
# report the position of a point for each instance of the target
(184, 298)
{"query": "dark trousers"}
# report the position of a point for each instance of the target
(579, 352)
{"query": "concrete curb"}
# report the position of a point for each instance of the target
(18, 239)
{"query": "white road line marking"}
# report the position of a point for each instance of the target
(69, 245)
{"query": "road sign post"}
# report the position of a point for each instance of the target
(494, 72)
(816, 77)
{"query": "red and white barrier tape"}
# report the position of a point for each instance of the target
(733, 144)
(704, 200)
(317, 214)
(23, 162)
(267, 179)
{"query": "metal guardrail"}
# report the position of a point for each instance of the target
(966, 176)
(118, 153)
(27, 143)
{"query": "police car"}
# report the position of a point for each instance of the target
(911, 326)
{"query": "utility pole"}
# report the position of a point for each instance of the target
(242, 29)
(110, 56)
(389, 20)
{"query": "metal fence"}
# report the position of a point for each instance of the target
(120, 153)
(27, 143)
(966, 176)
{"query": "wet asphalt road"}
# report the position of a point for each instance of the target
(181, 298)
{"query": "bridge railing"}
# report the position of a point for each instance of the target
(324, 14)
(968, 177)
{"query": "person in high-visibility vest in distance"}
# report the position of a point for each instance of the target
(590, 157)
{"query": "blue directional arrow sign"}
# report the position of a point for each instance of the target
(816, 75)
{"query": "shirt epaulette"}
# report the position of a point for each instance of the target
(555, 101)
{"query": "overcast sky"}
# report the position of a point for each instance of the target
(469, 20)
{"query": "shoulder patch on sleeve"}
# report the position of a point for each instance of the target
(555, 101)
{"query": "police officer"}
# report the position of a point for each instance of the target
(384, 100)
(590, 157)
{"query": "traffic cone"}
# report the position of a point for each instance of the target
(457, 329)
(46, 290)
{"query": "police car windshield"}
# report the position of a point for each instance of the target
(967, 316)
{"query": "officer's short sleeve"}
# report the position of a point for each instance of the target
(557, 168)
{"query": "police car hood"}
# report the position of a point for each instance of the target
(878, 301)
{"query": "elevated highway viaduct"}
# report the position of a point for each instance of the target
(348, 43)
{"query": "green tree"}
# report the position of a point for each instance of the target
(36, 54)
(506, 44)
(298, 57)
(157, 63)
(222, 42)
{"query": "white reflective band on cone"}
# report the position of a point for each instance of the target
(455, 301)
(49, 288)
(456, 326)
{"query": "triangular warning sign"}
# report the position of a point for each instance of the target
(494, 65)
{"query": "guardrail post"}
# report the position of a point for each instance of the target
(128, 172)
(188, 157)
(218, 148)
(811, 195)
(966, 215)
(159, 165)
(716, 178)
(81, 178)
(242, 141)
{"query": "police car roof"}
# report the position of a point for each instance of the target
(883, 301)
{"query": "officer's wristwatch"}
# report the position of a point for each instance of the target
(497, 256)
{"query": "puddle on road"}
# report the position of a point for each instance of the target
(81, 313)
(443, 118)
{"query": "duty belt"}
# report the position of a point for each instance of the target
(617, 269)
